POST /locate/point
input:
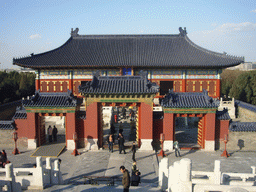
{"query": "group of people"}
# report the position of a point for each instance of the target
(123, 114)
(3, 159)
(52, 132)
(120, 139)
(126, 180)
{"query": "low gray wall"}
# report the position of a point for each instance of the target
(240, 141)
(7, 141)
(246, 115)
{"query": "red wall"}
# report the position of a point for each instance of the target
(70, 125)
(157, 128)
(221, 129)
(146, 121)
(168, 126)
(80, 128)
(32, 125)
(22, 127)
(210, 119)
(91, 123)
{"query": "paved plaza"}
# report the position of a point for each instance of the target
(103, 163)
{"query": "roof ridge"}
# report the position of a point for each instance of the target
(224, 55)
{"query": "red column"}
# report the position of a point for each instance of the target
(218, 88)
(146, 121)
(37, 83)
(210, 126)
(183, 85)
(91, 122)
(31, 120)
(70, 125)
(168, 126)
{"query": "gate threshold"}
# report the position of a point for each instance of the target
(189, 146)
(50, 150)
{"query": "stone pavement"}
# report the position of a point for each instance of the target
(103, 163)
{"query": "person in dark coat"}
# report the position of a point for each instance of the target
(135, 180)
(49, 132)
(125, 179)
(1, 159)
(121, 143)
(133, 150)
(54, 133)
(124, 113)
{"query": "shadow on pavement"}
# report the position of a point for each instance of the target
(77, 179)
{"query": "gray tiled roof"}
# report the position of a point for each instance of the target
(172, 51)
(7, 125)
(222, 115)
(20, 113)
(51, 99)
(119, 85)
(189, 100)
(246, 105)
(242, 127)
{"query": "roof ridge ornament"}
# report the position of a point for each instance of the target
(183, 32)
(74, 33)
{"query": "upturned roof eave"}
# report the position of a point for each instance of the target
(33, 59)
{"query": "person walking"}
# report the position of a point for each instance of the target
(121, 143)
(176, 148)
(115, 117)
(121, 128)
(110, 143)
(54, 133)
(133, 150)
(124, 112)
(125, 179)
(49, 132)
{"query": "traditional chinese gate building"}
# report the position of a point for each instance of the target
(161, 75)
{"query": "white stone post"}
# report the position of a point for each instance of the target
(163, 173)
(10, 177)
(47, 171)
(253, 170)
(38, 177)
(56, 174)
(175, 175)
(9, 171)
(185, 168)
(171, 178)
(217, 173)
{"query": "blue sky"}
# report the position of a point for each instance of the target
(36, 26)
